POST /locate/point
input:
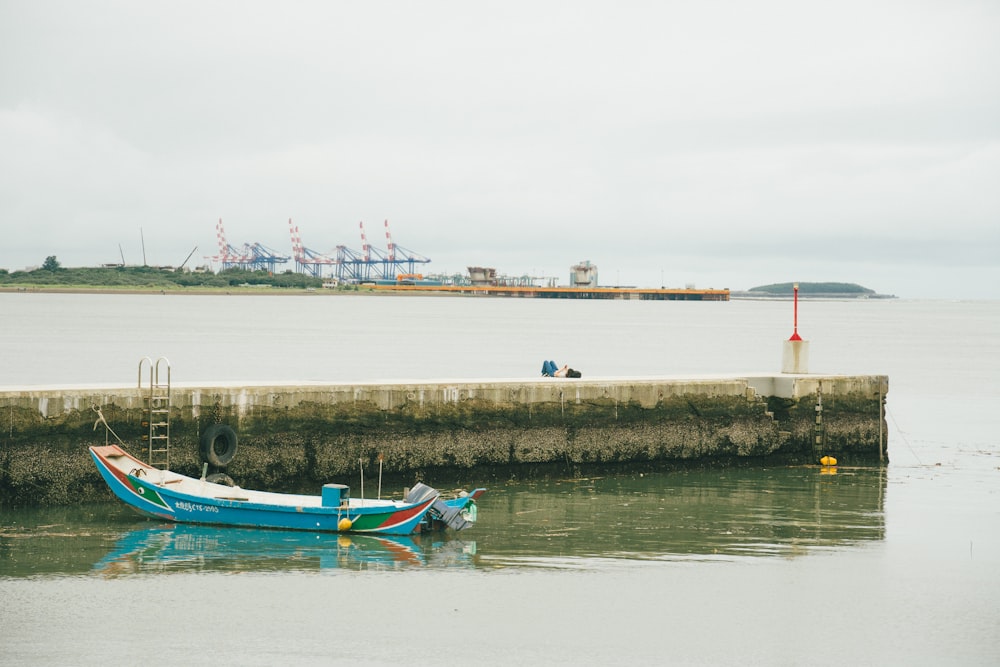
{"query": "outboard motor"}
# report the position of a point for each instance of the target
(450, 516)
(419, 493)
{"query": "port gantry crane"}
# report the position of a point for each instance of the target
(371, 263)
(400, 260)
(228, 257)
(252, 257)
(368, 264)
(263, 258)
(355, 266)
(306, 260)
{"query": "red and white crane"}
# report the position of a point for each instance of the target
(307, 260)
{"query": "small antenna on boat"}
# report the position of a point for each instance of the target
(361, 466)
(380, 476)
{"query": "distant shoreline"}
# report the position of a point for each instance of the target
(285, 291)
(208, 291)
(58, 289)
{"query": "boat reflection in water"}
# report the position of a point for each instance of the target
(186, 547)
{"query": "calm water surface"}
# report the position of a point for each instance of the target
(584, 524)
(881, 565)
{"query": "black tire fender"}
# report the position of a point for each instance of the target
(218, 445)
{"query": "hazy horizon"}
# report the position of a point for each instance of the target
(716, 144)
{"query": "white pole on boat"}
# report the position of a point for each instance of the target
(380, 477)
(361, 466)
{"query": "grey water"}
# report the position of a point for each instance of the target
(894, 564)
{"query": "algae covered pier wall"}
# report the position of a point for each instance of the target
(300, 435)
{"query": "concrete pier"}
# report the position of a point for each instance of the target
(304, 435)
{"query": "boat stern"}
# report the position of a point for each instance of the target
(457, 513)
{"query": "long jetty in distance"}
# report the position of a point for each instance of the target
(575, 292)
(302, 435)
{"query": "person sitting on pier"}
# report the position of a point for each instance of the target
(549, 369)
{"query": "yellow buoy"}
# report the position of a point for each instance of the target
(828, 461)
(344, 524)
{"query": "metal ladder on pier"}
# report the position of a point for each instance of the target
(157, 404)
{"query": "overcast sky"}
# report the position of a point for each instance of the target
(713, 143)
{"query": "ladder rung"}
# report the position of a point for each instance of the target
(157, 405)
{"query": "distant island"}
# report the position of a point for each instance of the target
(810, 290)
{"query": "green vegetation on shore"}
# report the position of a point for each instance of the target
(51, 274)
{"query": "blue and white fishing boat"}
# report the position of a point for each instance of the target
(168, 495)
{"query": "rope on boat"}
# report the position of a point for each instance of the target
(102, 420)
